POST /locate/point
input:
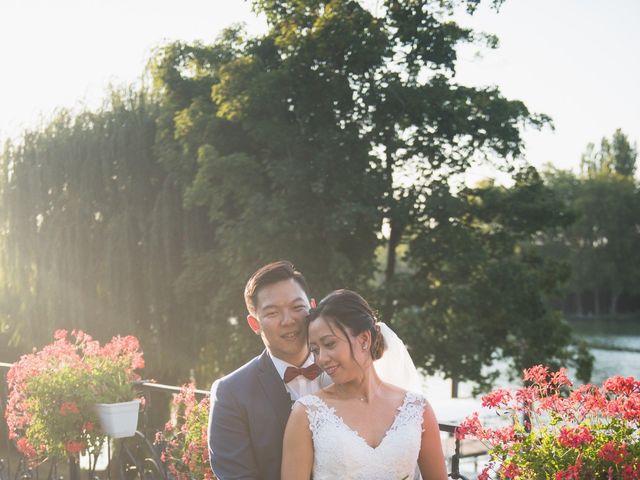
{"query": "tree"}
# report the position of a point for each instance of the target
(272, 182)
(303, 143)
(616, 156)
(603, 244)
(92, 231)
(391, 78)
(478, 292)
(624, 156)
(339, 118)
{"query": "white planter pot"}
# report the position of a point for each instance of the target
(119, 420)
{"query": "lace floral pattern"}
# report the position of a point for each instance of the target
(340, 452)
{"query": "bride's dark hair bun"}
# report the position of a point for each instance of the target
(377, 342)
(350, 310)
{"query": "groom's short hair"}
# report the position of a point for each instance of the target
(269, 274)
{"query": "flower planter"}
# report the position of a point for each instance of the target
(119, 420)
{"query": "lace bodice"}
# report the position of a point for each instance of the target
(340, 452)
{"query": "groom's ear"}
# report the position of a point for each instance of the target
(312, 302)
(254, 324)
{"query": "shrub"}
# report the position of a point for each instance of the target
(184, 440)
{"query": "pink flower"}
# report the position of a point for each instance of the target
(557, 431)
(484, 474)
(71, 359)
(501, 396)
(470, 426)
(504, 435)
(621, 386)
(510, 470)
(560, 378)
(60, 334)
(537, 374)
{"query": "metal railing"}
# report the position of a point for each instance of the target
(132, 458)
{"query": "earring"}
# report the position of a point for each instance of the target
(364, 346)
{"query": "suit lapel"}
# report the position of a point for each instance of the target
(274, 388)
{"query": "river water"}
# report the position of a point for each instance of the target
(615, 346)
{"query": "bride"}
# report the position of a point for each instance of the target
(359, 428)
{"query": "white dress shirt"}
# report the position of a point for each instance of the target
(301, 385)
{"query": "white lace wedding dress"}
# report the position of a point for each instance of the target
(340, 452)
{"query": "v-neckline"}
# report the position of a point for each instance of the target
(357, 434)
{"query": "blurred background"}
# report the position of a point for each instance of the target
(470, 167)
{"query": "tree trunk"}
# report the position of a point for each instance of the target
(74, 469)
(455, 383)
(615, 298)
(596, 301)
(579, 307)
(395, 234)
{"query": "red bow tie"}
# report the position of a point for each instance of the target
(310, 372)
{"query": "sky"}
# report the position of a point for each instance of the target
(574, 60)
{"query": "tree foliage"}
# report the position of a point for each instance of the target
(306, 143)
(478, 293)
(92, 229)
(603, 244)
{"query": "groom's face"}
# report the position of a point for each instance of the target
(281, 309)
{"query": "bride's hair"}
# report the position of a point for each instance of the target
(349, 310)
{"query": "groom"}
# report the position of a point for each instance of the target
(250, 407)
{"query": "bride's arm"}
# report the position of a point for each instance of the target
(297, 446)
(431, 457)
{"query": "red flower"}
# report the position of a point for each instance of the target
(621, 386)
(560, 378)
(60, 334)
(510, 470)
(470, 426)
(69, 407)
(25, 448)
(613, 453)
(575, 437)
(501, 396)
(570, 473)
(73, 447)
(551, 423)
(537, 374)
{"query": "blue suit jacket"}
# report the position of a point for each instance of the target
(249, 411)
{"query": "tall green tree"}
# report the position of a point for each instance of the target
(92, 230)
(603, 244)
(615, 155)
(390, 76)
(477, 293)
(336, 120)
(305, 143)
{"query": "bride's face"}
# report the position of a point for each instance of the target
(341, 356)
